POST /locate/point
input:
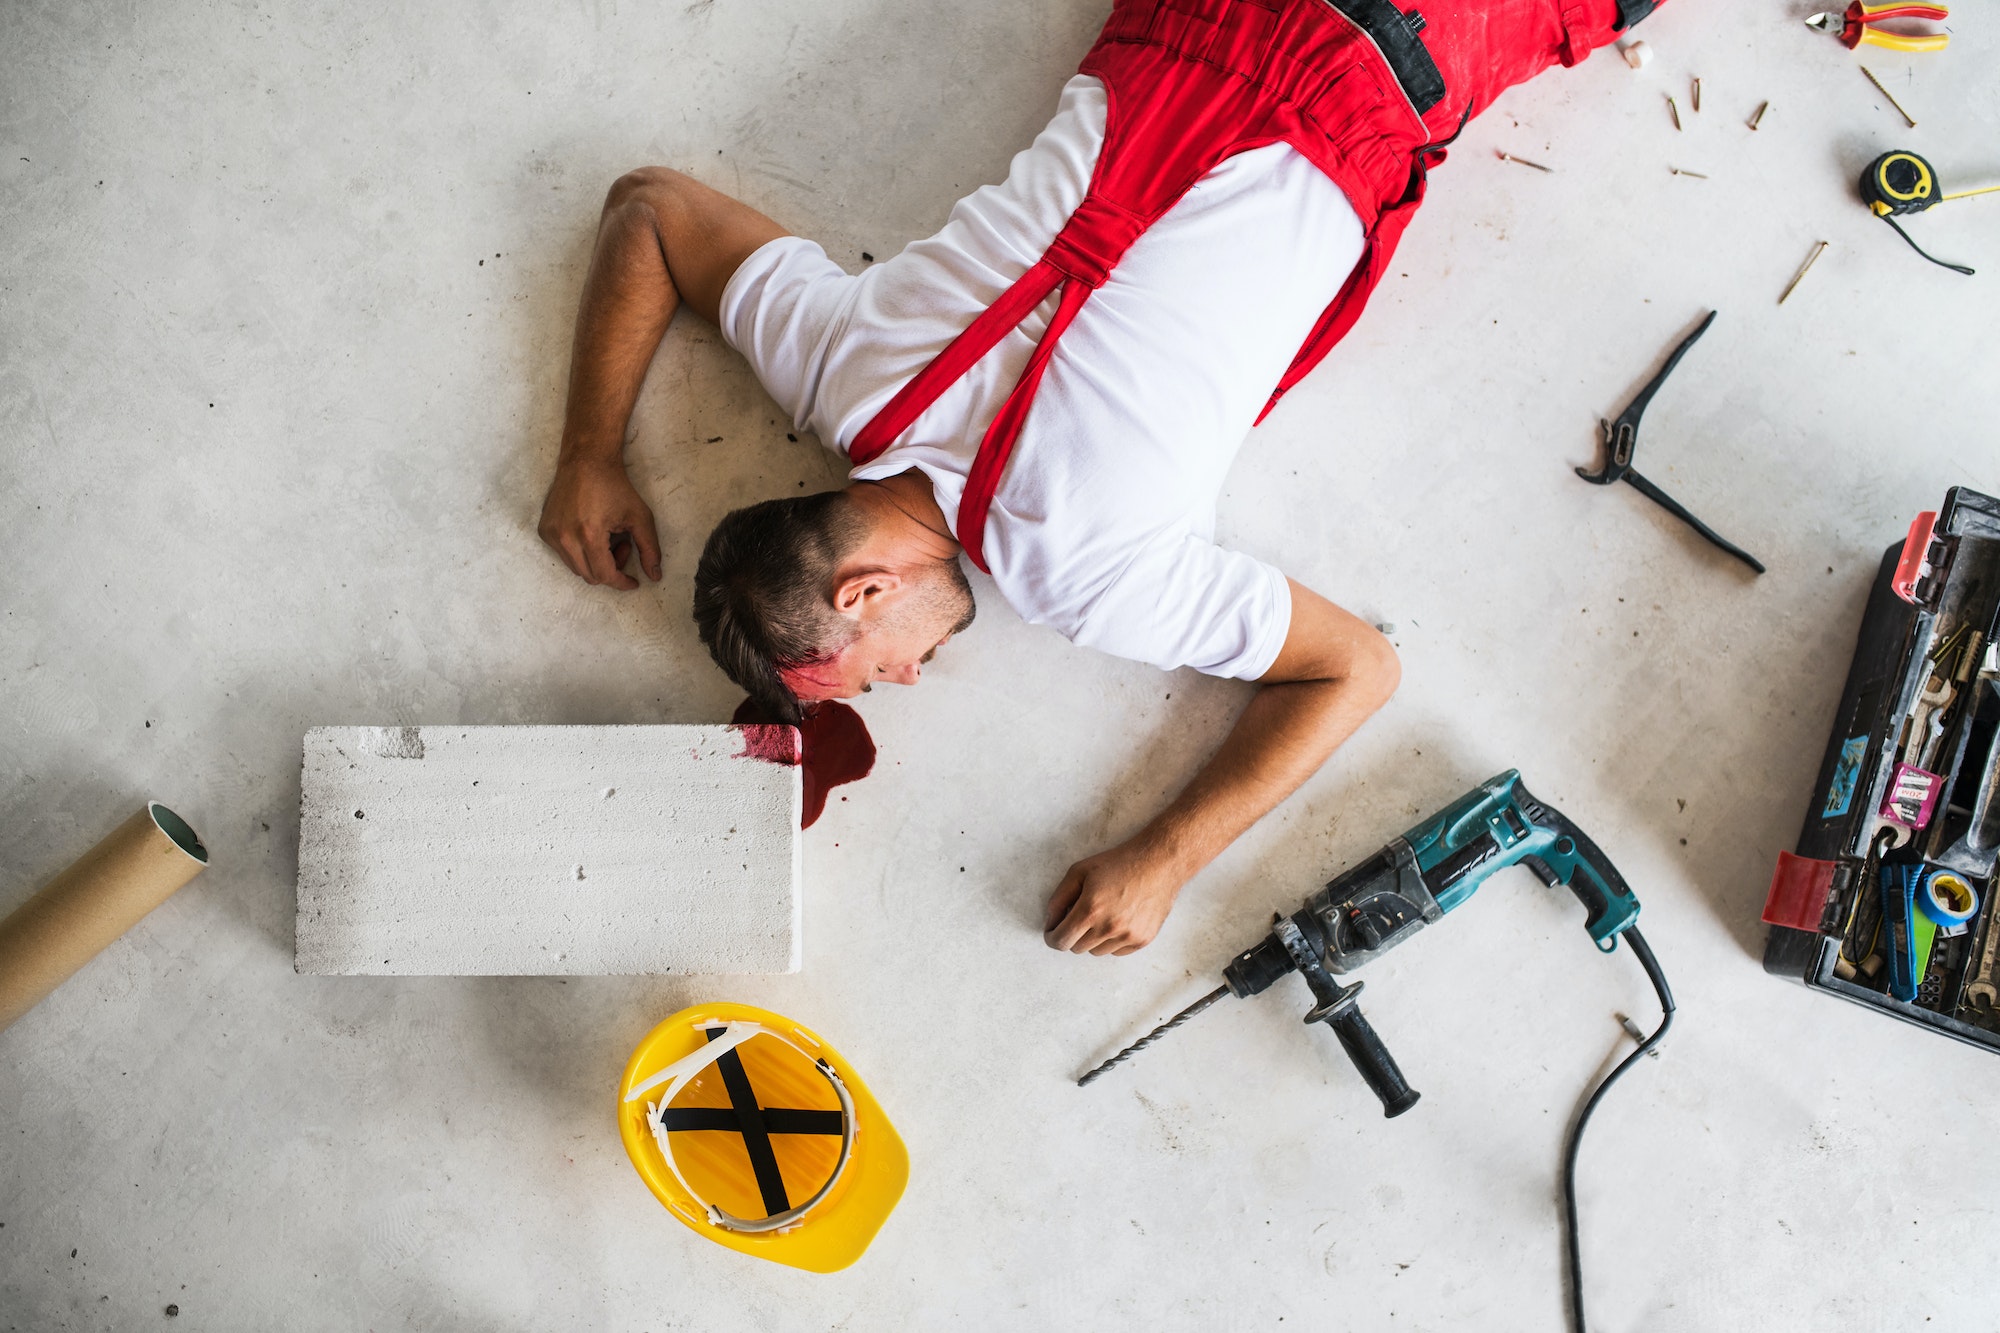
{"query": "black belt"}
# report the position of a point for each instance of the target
(1395, 35)
(1631, 11)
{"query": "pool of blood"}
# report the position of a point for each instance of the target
(836, 746)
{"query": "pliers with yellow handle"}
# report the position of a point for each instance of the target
(1855, 26)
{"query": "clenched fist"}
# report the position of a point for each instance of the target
(594, 519)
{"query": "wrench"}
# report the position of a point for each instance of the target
(1983, 992)
(1927, 719)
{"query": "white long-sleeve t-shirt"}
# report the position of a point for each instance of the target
(1104, 520)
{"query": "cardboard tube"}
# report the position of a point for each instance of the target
(80, 912)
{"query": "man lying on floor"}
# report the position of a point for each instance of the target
(1055, 385)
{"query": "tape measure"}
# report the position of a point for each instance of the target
(1900, 182)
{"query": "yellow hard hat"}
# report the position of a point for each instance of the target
(756, 1134)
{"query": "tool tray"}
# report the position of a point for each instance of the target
(1932, 618)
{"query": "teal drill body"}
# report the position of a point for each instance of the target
(1372, 907)
(1369, 909)
(1498, 824)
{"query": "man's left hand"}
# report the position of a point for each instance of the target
(1113, 903)
(1333, 671)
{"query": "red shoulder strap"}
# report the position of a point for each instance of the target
(983, 481)
(979, 338)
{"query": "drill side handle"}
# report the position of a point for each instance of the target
(1573, 860)
(1377, 1067)
(1336, 1007)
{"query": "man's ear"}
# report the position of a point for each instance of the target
(866, 592)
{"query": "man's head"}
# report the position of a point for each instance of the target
(820, 596)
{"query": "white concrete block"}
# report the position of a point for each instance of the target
(518, 851)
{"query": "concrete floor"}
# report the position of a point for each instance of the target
(282, 345)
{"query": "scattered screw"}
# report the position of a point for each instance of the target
(1679, 171)
(1802, 269)
(1758, 114)
(1674, 107)
(1509, 157)
(1697, 95)
(173, 1311)
(1891, 96)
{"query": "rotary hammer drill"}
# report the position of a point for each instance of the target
(1415, 880)
(1407, 885)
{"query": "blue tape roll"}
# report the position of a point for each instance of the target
(1947, 898)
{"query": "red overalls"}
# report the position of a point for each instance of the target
(1349, 84)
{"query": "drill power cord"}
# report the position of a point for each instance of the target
(1652, 965)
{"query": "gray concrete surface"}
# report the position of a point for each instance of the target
(548, 851)
(284, 317)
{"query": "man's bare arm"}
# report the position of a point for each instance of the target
(664, 238)
(1332, 674)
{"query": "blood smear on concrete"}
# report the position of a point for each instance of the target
(837, 749)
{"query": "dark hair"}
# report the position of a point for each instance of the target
(763, 592)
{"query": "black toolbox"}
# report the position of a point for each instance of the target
(1909, 794)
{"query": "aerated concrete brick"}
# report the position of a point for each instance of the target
(546, 850)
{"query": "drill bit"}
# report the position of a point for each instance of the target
(1157, 1033)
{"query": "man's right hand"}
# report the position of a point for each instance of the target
(594, 518)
